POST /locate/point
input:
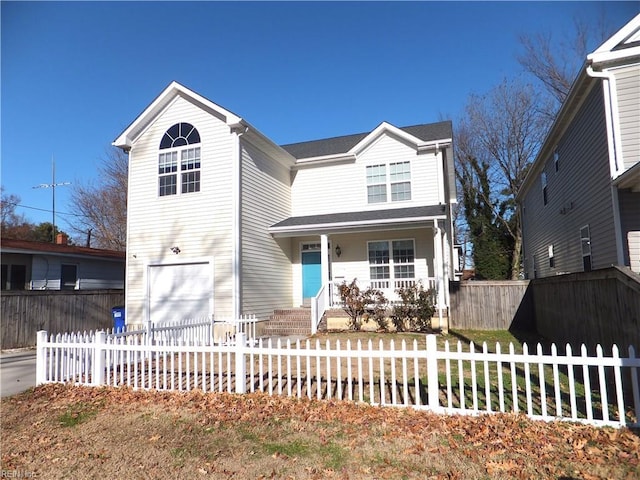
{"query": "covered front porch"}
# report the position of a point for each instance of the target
(386, 250)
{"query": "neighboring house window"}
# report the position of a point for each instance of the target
(396, 186)
(552, 260)
(391, 260)
(174, 140)
(68, 277)
(556, 158)
(585, 242)
(543, 179)
(14, 277)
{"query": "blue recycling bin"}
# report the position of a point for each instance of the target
(117, 313)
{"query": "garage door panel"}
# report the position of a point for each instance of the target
(180, 291)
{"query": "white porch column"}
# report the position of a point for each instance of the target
(438, 267)
(324, 266)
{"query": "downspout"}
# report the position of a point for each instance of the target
(615, 169)
(438, 267)
(238, 130)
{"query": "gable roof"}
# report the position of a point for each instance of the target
(623, 45)
(336, 145)
(10, 245)
(162, 101)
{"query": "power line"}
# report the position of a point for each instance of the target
(47, 210)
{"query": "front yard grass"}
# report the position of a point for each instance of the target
(158, 435)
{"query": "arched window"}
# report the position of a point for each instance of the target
(177, 142)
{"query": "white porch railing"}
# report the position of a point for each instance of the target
(319, 305)
(586, 388)
(387, 286)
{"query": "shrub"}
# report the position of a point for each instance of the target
(415, 309)
(361, 305)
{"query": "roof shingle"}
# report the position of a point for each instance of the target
(335, 145)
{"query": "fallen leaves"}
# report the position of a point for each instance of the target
(415, 444)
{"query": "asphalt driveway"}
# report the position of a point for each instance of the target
(17, 371)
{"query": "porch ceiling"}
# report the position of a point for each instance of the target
(629, 179)
(357, 221)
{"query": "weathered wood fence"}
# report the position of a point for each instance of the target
(602, 306)
(491, 305)
(599, 307)
(26, 312)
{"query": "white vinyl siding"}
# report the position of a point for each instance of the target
(633, 244)
(199, 224)
(628, 102)
(266, 267)
(578, 194)
(343, 186)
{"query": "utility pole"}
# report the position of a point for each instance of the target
(53, 186)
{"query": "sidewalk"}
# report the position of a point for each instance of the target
(17, 371)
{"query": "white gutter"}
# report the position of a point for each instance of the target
(434, 145)
(610, 114)
(616, 164)
(326, 159)
(346, 225)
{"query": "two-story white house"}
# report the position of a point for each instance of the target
(224, 222)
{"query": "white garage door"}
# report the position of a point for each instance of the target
(180, 291)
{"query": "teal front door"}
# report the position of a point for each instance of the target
(311, 274)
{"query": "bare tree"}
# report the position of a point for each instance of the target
(503, 130)
(101, 207)
(13, 225)
(555, 61)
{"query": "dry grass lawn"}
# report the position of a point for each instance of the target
(58, 431)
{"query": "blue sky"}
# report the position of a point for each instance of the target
(75, 74)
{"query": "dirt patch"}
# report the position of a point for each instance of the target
(57, 431)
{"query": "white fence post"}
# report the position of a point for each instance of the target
(241, 342)
(433, 389)
(99, 358)
(41, 357)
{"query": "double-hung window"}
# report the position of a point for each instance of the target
(400, 178)
(376, 183)
(396, 185)
(177, 144)
(391, 261)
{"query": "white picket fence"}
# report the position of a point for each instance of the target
(206, 331)
(599, 390)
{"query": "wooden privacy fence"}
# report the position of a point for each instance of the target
(581, 387)
(25, 312)
(491, 305)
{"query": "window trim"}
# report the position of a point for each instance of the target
(388, 183)
(543, 181)
(181, 174)
(392, 278)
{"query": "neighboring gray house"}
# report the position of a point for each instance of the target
(222, 221)
(580, 202)
(30, 265)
